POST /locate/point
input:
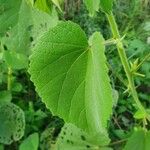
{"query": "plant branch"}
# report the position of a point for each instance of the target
(124, 60)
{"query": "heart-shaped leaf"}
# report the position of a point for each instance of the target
(72, 77)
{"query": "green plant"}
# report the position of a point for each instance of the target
(79, 91)
(102, 99)
(20, 26)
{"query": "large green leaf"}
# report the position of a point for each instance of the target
(72, 77)
(73, 138)
(21, 24)
(92, 6)
(106, 5)
(12, 123)
(140, 140)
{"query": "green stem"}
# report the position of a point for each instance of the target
(124, 60)
(9, 78)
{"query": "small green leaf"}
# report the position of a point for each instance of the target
(73, 138)
(44, 5)
(72, 77)
(58, 3)
(16, 87)
(5, 96)
(30, 143)
(140, 115)
(15, 60)
(12, 123)
(140, 140)
(92, 6)
(119, 133)
(106, 5)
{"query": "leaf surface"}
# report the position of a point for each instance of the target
(72, 77)
(30, 143)
(15, 60)
(43, 5)
(58, 3)
(92, 6)
(73, 138)
(21, 24)
(12, 123)
(5, 96)
(139, 140)
(106, 5)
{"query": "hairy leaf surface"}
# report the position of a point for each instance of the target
(72, 77)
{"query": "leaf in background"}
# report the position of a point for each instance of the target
(140, 140)
(12, 123)
(115, 97)
(1, 147)
(8, 14)
(72, 78)
(140, 115)
(49, 135)
(5, 96)
(106, 5)
(15, 60)
(21, 24)
(136, 48)
(16, 87)
(58, 3)
(30, 143)
(73, 138)
(44, 5)
(146, 26)
(92, 6)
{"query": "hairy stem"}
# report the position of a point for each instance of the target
(124, 60)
